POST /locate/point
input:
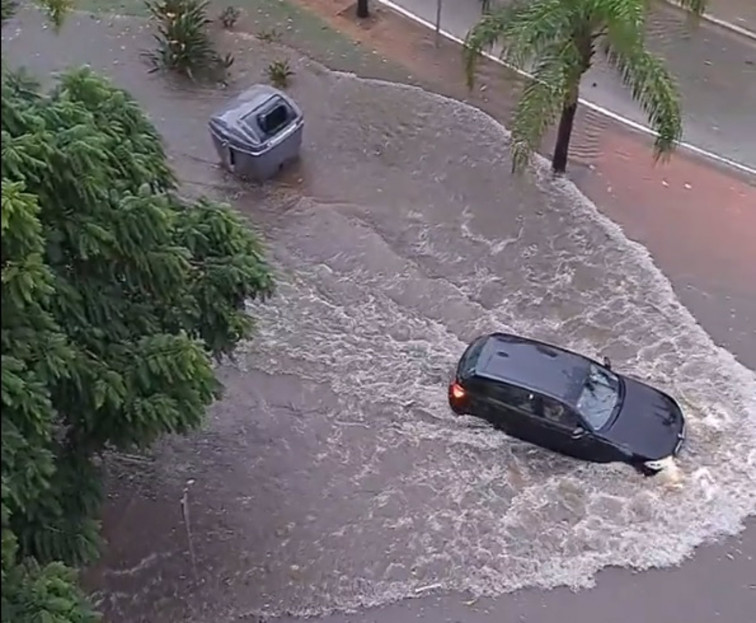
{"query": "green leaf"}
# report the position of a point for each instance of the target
(116, 294)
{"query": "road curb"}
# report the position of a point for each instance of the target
(740, 30)
(629, 123)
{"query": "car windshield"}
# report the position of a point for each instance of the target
(599, 396)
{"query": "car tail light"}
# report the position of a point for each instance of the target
(456, 391)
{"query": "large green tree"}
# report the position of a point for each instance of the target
(557, 40)
(116, 295)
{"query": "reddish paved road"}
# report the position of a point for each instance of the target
(698, 222)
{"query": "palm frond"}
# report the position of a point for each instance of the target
(623, 21)
(542, 100)
(523, 29)
(655, 90)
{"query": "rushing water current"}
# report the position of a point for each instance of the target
(413, 241)
(333, 474)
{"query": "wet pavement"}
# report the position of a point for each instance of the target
(715, 70)
(332, 475)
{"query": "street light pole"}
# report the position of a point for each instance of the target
(438, 21)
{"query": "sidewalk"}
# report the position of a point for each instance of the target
(715, 69)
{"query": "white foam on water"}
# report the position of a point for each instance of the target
(381, 493)
(381, 308)
(388, 494)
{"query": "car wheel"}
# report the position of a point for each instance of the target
(457, 410)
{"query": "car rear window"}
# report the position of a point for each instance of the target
(469, 359)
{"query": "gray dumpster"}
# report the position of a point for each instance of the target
(257, 132)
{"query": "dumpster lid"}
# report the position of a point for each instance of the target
(254, 116)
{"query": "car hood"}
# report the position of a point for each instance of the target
(648, 424)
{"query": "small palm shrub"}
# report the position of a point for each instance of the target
(229, 16)
(269, 36)
(183, 41)
(279, 73)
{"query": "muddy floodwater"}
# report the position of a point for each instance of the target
(333, 474)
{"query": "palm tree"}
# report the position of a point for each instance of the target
(557, 39)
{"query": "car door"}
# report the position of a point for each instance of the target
(497, 408)
(581, 442)
(564, 430)
(478, 398)
(529, 423)
(604, 451)
(515, 412)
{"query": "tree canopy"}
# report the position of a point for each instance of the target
(556, 40)
(116, 295)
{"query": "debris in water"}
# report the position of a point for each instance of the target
(671, 474)
(429, 587)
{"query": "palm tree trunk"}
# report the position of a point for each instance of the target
(362, 9)
(564, 133)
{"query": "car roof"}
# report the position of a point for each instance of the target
(533, 365)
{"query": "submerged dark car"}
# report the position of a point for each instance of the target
(566, 402)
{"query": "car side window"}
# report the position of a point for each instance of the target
(511, 396)
(555, 412)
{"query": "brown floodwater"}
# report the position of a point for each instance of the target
(332, 475)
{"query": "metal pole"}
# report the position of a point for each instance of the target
(438, 21)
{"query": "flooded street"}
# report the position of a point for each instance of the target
(333, 475)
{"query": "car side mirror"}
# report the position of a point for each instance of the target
(607, 363)
(579, 432)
